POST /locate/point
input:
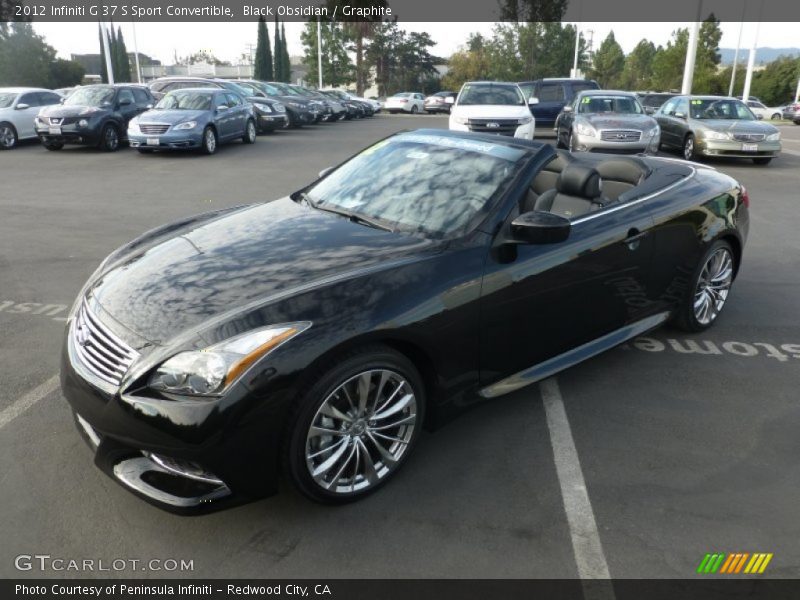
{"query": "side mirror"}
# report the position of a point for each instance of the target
(539, 227)
(679, 115)
(567, 109)
(533, 100)
(222, 107)
(649, 110)
(22, 106)
(325, 172)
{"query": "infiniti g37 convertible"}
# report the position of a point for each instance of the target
(316, 335)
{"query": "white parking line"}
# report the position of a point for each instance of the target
(792, 152)
(25, 402)
(586, 546)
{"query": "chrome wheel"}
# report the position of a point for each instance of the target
(8, 137)
(251, 132)
(688, 148)
(210, 141)
(111, 139)
(361, 431)
(713, 286)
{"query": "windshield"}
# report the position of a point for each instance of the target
(183, 100)
(491, 93)
(91, 96)
(719, 109)
(7, 99)
(285, 89)
(266, 88)
(401, 95)
(432, 185)
(609, 104)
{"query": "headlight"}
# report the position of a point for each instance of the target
(461, 120)
(524, 120)
(263, 108)
(209, 372)
(774, 137)
(716, 135)
(585, 129)
(83, 123)
(279, 107)
(186, 125)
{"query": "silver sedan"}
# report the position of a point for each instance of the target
(606, 121)
(18, 108)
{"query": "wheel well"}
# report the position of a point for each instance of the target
(736, 245)
(9, 123)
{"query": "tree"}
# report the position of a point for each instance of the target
(337, 67)
(263, 67)
(669, 61)
(609, 61)
(25, 58)
(286, 62)
(638, 70)
(360, 31)
(533, 11)
(65, 73)
(277, 54)
(122, 66)
(201, 56)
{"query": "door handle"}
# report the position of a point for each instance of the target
(634, 237)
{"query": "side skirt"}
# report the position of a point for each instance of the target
(572, 357)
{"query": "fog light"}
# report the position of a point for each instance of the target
(83, 123)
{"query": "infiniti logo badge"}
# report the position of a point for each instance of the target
(493, 125)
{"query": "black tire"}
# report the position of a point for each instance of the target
(776, 117)
(321, 385)
(414, 109)
(571, 142)
(53, 146)
(8, 136)
(250, 132)
(210, 141)
(559, 141)
(109, 138)
(685, 317)
(762, 160)
(688, 148)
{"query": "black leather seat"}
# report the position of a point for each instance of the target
(619, 176)
(578, 191)
(546, 179)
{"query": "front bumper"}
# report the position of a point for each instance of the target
(734, 149)
(185, 457)
(525, 132)
(438, 107)
(171, 140)
(271, 122)
(586, 143)
(70, 134)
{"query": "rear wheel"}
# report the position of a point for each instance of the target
(414, 109)
(249, 136)
(709, 289)
(355, 426)
(762, 160)
(209, 143)
(109, 139)
(776, 117)
(688, 148)
(8, 136)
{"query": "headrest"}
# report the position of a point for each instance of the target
(579, 180)
(623, 170)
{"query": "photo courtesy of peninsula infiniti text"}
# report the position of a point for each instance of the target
(313, 337)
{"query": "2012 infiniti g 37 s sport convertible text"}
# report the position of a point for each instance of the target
(316, 335)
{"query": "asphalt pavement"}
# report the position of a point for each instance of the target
(684, 444)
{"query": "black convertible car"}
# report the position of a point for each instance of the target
(317, 334)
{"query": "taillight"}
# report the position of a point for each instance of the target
(745, 197)
(404, 100)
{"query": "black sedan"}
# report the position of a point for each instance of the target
(316, 335)
(94, 115)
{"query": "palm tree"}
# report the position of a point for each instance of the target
(359, 31)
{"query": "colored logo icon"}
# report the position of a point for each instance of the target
(734, 563)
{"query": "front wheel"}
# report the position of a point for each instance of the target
(250, 133)
(8, 136)
(209, 143)
(709, 289)
(763, 160)
(109, 139)
(355, 425)
(776, 117)
(414, 109)
(688, 148)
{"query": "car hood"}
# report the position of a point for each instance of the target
(734, 126)
(639, 122)
(59, 110)
(490, 111)
(171, 116)
(237, 262)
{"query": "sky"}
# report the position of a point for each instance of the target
(227, 41)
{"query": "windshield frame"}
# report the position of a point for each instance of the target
(587, 98)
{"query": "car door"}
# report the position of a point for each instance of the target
(222, 115)
(565, 120)
(25, 111)
(543, 300)
(668, 123)
(239, 113)
(126, 106)
(143, 100)
(552, 99)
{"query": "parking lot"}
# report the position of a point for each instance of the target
(686, 444)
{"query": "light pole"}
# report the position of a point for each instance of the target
(751, 61)
(109, 67)
(319, 51)
(691, 54)
(797, 92)
(136, 54)
(574, 73)
(736, 56)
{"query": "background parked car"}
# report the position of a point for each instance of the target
(332, 109)
(492, 107)
(18, 108)
(652, 101)
(791, 111)
(412, 102)
(607, 121)
(716, 126)
(546, 98)
(764, 112)
(93, 115)
(198, 118)
(440, 102)
(366, 106)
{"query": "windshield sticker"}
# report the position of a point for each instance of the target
(495, 150)
(417, 155)
(697, 101)
(586, 100)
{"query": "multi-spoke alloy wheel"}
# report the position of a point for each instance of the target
(708, 289)
(356, 424)
(361, 431)
(713, 286)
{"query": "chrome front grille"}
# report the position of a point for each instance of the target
(153, 129)
(620, 135)
(501, 126)
(100, 351)
(749, 137)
